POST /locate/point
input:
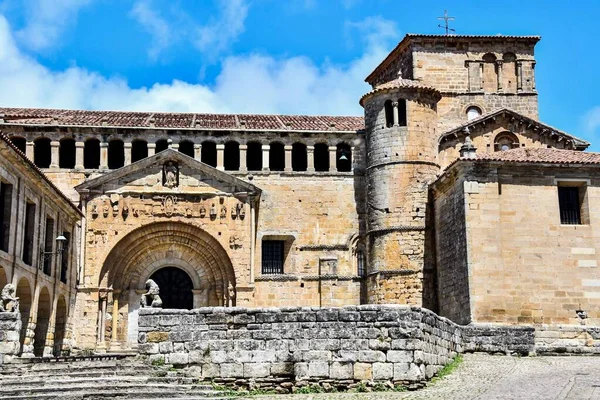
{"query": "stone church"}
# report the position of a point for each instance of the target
(449, 194)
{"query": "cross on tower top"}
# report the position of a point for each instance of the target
(446, 18)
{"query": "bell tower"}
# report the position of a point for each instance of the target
(401, 137)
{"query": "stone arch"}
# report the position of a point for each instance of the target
(3, 278)
(60, 326)
(505, 141)
(176, 287)
(490, 74)
(20, 142)
(42, 324)
(24, 293)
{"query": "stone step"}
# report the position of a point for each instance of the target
(70, 368)
(80, 374)
(125, 394)
(116, 390)
(36, 382)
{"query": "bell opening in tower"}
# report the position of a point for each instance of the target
(175, 288)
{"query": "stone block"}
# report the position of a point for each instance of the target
(341, 370)
(371, 356)
(301, 370)
(264, 356)
(400, 356)
(165, 347)
(383, 371)
(282, 369)
(363, 371)
(316, 355)
(211, 370)
(155, 337)
(232, 370)
(148, 348)
(318, 369)
(177, 358)
(256, 370)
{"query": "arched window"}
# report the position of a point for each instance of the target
(66, 153)
(116, 154)
(161, 145)
(389, 113)
(91, 154)
(343, 158)
(506, 141)
(232, 156)
(19, 142)
(209, 154)
(186, 147)
(490, 76)
(361, 268)
(402, 121)
(321, 157)
(276, 157)
(139, 150)
(254, 156)
(473, 112)
(42, 153)
(299, 157)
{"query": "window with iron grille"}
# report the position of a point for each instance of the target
(5, 214)
(28, 235)
(65, 258)
(272, 257)
(49, 245)
(568, 201)
(360, 263)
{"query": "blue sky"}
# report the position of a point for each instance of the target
(269, 56)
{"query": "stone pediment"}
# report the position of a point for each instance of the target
(168, 172)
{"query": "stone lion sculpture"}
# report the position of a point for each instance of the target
(7, 297)
(151, 299)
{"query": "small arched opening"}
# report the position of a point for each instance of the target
(42, 153)
(19, 142)
(42, 323)
(175, 288)
(490, 75)
(299, 157)
(60, 327)
(509, 72)
(506, 141)
(389, 113)
(321, 157)
(66, 153)
(25, 298)
(161, 145)
(186, 147)
(232, 156)
(139, 150)
(276, 156)
(91, 154)
(116, 154)
(209, 154)
(254, 156)
(343, 157)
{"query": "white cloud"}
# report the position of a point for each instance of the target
(46, 20)
(154, 24)
(591, 120)
(246, 84)
(218, 34)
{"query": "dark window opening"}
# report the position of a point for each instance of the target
(276, 157)
(19, 142)
(321, 157)
(186, 147)
(569, 203)
(42, 153)
(175, 288)
(343, 158)
(116, 154)
(139, 150)
(161, 145)
(91, 154)
(254, 157)
(5, 214)
(209, 154)
(272, 257)
(299, 157)
(360, 263)
(48, 246)
(231, 160)
(66, 154)
(28, 235)
(389, 113)
(401, 112)
(65, 258)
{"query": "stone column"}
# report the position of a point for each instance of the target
(198, 152)
(396, 118)
(499, 65)
(310, 158)
(103, 155)
(519, 76)
(54, 151)
(29, 150)
(243, 156)
(115, 316)
(265, 157)
(151, 149)
(481, 75)
(332, 159)
(127, 151)
(288, 158)
(174, 146)
(79, 147)
(221, 157)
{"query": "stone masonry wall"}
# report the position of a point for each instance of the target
(10, 326)
(277, 347)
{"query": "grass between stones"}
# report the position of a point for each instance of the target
(448, 368)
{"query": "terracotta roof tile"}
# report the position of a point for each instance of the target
(41, 116)
(540, 155)
(398, 84)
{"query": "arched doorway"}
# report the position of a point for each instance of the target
(175, 288)
(60, 326)
(43, 322)
(176, 255)
(25, 299)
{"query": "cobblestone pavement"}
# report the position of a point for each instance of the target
(485, 377)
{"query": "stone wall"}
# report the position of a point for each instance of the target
(10, 326)
(279, 347)
(571, 339)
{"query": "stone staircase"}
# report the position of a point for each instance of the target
(97, 377)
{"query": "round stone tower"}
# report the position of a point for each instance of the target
(400, 120)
